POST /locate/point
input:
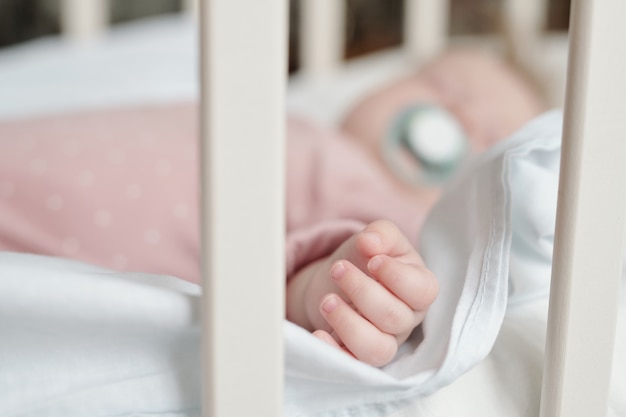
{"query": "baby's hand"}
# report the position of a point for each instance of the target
(385, 292)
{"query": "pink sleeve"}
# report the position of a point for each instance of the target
(334, 188)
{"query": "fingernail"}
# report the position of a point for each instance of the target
(329, 304)
(337, 271)
(375, 263)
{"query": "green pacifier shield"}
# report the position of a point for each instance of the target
(425, 144)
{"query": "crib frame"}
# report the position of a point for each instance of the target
(591, 210)
(590, 218)
(242, 222)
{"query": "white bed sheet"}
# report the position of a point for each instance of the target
(149, 61)
(78, 340)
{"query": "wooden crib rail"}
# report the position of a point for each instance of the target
(84, 20)
(323, 26)
(243, 82)
(525, 21)
(425, 28)
(590, 222)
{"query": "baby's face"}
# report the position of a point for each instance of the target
(488, 98)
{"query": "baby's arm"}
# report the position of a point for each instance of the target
(367, 297)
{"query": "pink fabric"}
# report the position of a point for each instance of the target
(334, 187)
(119, 188)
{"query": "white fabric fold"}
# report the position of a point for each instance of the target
(448, 249)
(78, 340)
(470, 242)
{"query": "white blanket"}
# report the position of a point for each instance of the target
(78, 340)
(475, 240)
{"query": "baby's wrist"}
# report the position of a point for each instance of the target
(301, 305)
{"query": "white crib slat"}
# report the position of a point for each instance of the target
(191, 6)
(322, 25)
(425, 27)
(590, 221)
(83, 20)
(526, 20)
(243, 73)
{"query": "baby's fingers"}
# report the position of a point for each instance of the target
(324, 336)
(413, 284)
(384, 237)
(373, 301)
(358, 335)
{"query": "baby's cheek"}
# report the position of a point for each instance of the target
(370, 120)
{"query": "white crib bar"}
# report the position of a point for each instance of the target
(525, 21)
(426, 25)
(84, 20)
(322, 40)
(191, 6)
(590, 220)
(243, 83)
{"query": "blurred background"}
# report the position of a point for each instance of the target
(65, 55)
(371, 24)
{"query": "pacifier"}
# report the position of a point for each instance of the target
(425, 144)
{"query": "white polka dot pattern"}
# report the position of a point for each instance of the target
(71, 149)
(181, 211)
(133, 191)
(119, 261)
(103, 218)
(70, 246)
(6, 189)
(163, 168)
(116, 188)
(152, 236)
(37, 166)
(54, 202)
(116, 156)
(85, 178)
